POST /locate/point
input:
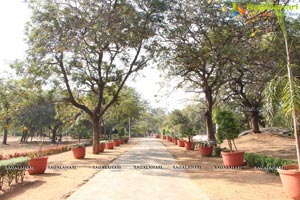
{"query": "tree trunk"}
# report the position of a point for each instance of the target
(24, 136)
(5, 136)
(54, 136)
(255, 121)
(32, 134)
(96, 133)
(55, 130)
(210, 131)
(209, 126)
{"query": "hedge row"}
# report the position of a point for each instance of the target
(11, 169)
(266, 163)
(43, 152)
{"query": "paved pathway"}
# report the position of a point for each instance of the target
(135, 182)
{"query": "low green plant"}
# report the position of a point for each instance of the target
(79, 145)
(266, 163)
(13, 168)
(126, 139)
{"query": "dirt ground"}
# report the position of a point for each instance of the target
(219, 184)
(57, 183)
(245, 184)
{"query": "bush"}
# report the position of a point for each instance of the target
(44, 152)
(48, 151)
(228, 127)
(266, 163)
(14, 168)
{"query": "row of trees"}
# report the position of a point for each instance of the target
(29, 112)
(83, 52)
(90, 48)
(229, 61)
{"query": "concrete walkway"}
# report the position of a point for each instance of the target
(147, 173)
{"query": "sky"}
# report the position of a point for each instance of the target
(13, 16)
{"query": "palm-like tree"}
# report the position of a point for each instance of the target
(287, 89)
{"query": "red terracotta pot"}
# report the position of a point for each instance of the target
(206, 151)
(180, 143)
(116, 142)
(110, 145)
(170, 139)
(164, 137)
(101, 147)
(79, 152)
(233, 159)
(174, 141)
(188, 145)
(290, 179)
(38, 165)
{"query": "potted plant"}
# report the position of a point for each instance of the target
(181, 142)
(116, 142)
(206, 148)
(189, 144)
(164, 134)
(228, 129)
(125, 139)
(38, 162)
(110, 144)
(174, 140)
(170, 137)
(102, 146)
(78, 150)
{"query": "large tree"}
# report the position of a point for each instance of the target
(259, 60)
(254, 67)
(199, 43)
(91, 48)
